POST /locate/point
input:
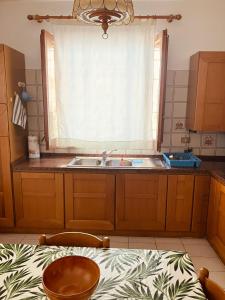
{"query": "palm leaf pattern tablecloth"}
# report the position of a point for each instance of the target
(125, 273)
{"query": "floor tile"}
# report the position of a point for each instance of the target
(193, 241)
(10, 238)
(121, 239)
(200, 250)
(115, 244)
(213, 264)
(134, 245)
(29, 242)
(135, 239)
(168, 240)
(218, 277)
(170, 246)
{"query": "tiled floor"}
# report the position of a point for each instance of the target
(199, 250)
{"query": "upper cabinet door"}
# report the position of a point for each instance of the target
(206, 97)
(6, 201)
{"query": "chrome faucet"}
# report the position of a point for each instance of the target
(105, 155)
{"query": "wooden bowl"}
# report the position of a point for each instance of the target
(71, 278)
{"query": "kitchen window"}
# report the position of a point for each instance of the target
(104, 94)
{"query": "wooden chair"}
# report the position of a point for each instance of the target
(76, 239)
(212, 290)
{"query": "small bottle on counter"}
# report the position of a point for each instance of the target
(33, 147)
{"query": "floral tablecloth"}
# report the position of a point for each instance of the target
(125, 273)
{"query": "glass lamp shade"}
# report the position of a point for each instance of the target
(104, 12)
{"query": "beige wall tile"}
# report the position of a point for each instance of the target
(208, 140)
(38, 77)
(220, 140)
(32, 108)
(32, 91)
(195, 140)
(170, 77)
(167, 125)
(168, 110)
(180, 94)
(166, 140)
(40, 94)
(179, 125)
(169, 93)
(30, 76)
(40, 108)
(181, 78)
(33, 123)
(220, 151)
(179, 110)
(208, 151)
(176, 139)
(41, 123)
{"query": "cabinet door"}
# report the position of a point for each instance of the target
(141, 202)
(216, 219)
(200, 204)
(179, 202)
(2, 76)
(3, 120)
(39, 201)
(6, 202)
(210, 105)
(89, 201)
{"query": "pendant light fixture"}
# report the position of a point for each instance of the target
(104, 12)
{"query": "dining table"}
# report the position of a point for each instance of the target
(124, 273)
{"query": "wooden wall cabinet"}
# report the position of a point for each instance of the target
(12, 138)
(141, 202)
(206, 94)
(179, 202)
(39, 200)
(89, 201)
(216, 218)
(6, 202)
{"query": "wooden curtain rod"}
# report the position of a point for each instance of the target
(40, 19)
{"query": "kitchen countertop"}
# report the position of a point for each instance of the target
(59, 164)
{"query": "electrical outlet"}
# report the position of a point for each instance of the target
(185, 139)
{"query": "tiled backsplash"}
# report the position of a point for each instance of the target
(176, 137)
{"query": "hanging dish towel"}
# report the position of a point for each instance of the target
(19, 113)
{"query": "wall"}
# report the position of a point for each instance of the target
(201, 28)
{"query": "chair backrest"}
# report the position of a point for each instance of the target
(212, 290)
(76, 239)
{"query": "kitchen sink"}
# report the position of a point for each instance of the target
(85, 162)
(118, 163)
(128, 162)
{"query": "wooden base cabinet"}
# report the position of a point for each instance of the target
(39, 200)
(200, 205)
(216, 217)
(89, 201)
(179, 202)
(141, 202)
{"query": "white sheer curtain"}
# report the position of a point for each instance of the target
(104, 88)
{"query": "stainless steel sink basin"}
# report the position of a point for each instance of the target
(118, 163)
(85, 162)
(128, 162)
